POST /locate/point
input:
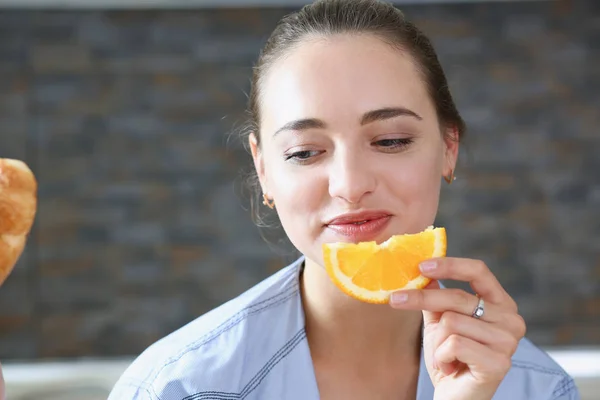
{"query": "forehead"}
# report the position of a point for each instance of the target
(338, 79)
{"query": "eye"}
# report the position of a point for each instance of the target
(391, 144)
(302, 156)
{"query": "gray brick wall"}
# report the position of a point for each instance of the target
(124, 118)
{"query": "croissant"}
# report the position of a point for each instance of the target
(18, 205)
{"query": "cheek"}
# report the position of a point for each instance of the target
(297, 190)
(422, 177)
(299, 197)
(417, 185)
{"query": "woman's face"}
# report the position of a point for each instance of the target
(351, 148)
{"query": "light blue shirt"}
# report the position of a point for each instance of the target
(254, 347)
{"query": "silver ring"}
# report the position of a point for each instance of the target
(479, 310)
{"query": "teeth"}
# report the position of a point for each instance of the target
(360, 222)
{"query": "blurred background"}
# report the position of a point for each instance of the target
(127, 113)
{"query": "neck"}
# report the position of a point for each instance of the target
(343, 330)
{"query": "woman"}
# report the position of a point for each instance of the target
(352, 121)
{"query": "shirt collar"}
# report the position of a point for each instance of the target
(425, 389)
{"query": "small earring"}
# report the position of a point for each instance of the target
(268, 202)
(450, 179)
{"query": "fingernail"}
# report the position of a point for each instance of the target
(428, 266)
(399, 298)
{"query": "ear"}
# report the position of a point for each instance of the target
(257, 157)
(451, 144)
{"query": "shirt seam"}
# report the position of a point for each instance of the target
(537, 368)
(139, 384)
(231, 322)
(258, 378)
(565, 386)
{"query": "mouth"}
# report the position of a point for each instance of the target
(361, 226)
(358, 218)
(360, 222)
(355, 222)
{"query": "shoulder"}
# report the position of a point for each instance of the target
(535, 375)
(212, 348)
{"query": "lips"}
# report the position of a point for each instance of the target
(358, 218)
(361, 226)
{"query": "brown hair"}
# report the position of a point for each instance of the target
(331, 17)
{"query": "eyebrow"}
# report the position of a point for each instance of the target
(380, 114)
(388, 113)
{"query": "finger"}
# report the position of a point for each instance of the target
(434, 284)
(483, 363)
(428, 316)
(496, 337)
(442, 300)
(479, 276)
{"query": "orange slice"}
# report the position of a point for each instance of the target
(371, 272)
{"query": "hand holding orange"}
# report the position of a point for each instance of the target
(466, 355)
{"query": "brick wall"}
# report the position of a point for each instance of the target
(124, 118)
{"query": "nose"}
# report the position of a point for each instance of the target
(351, 177)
